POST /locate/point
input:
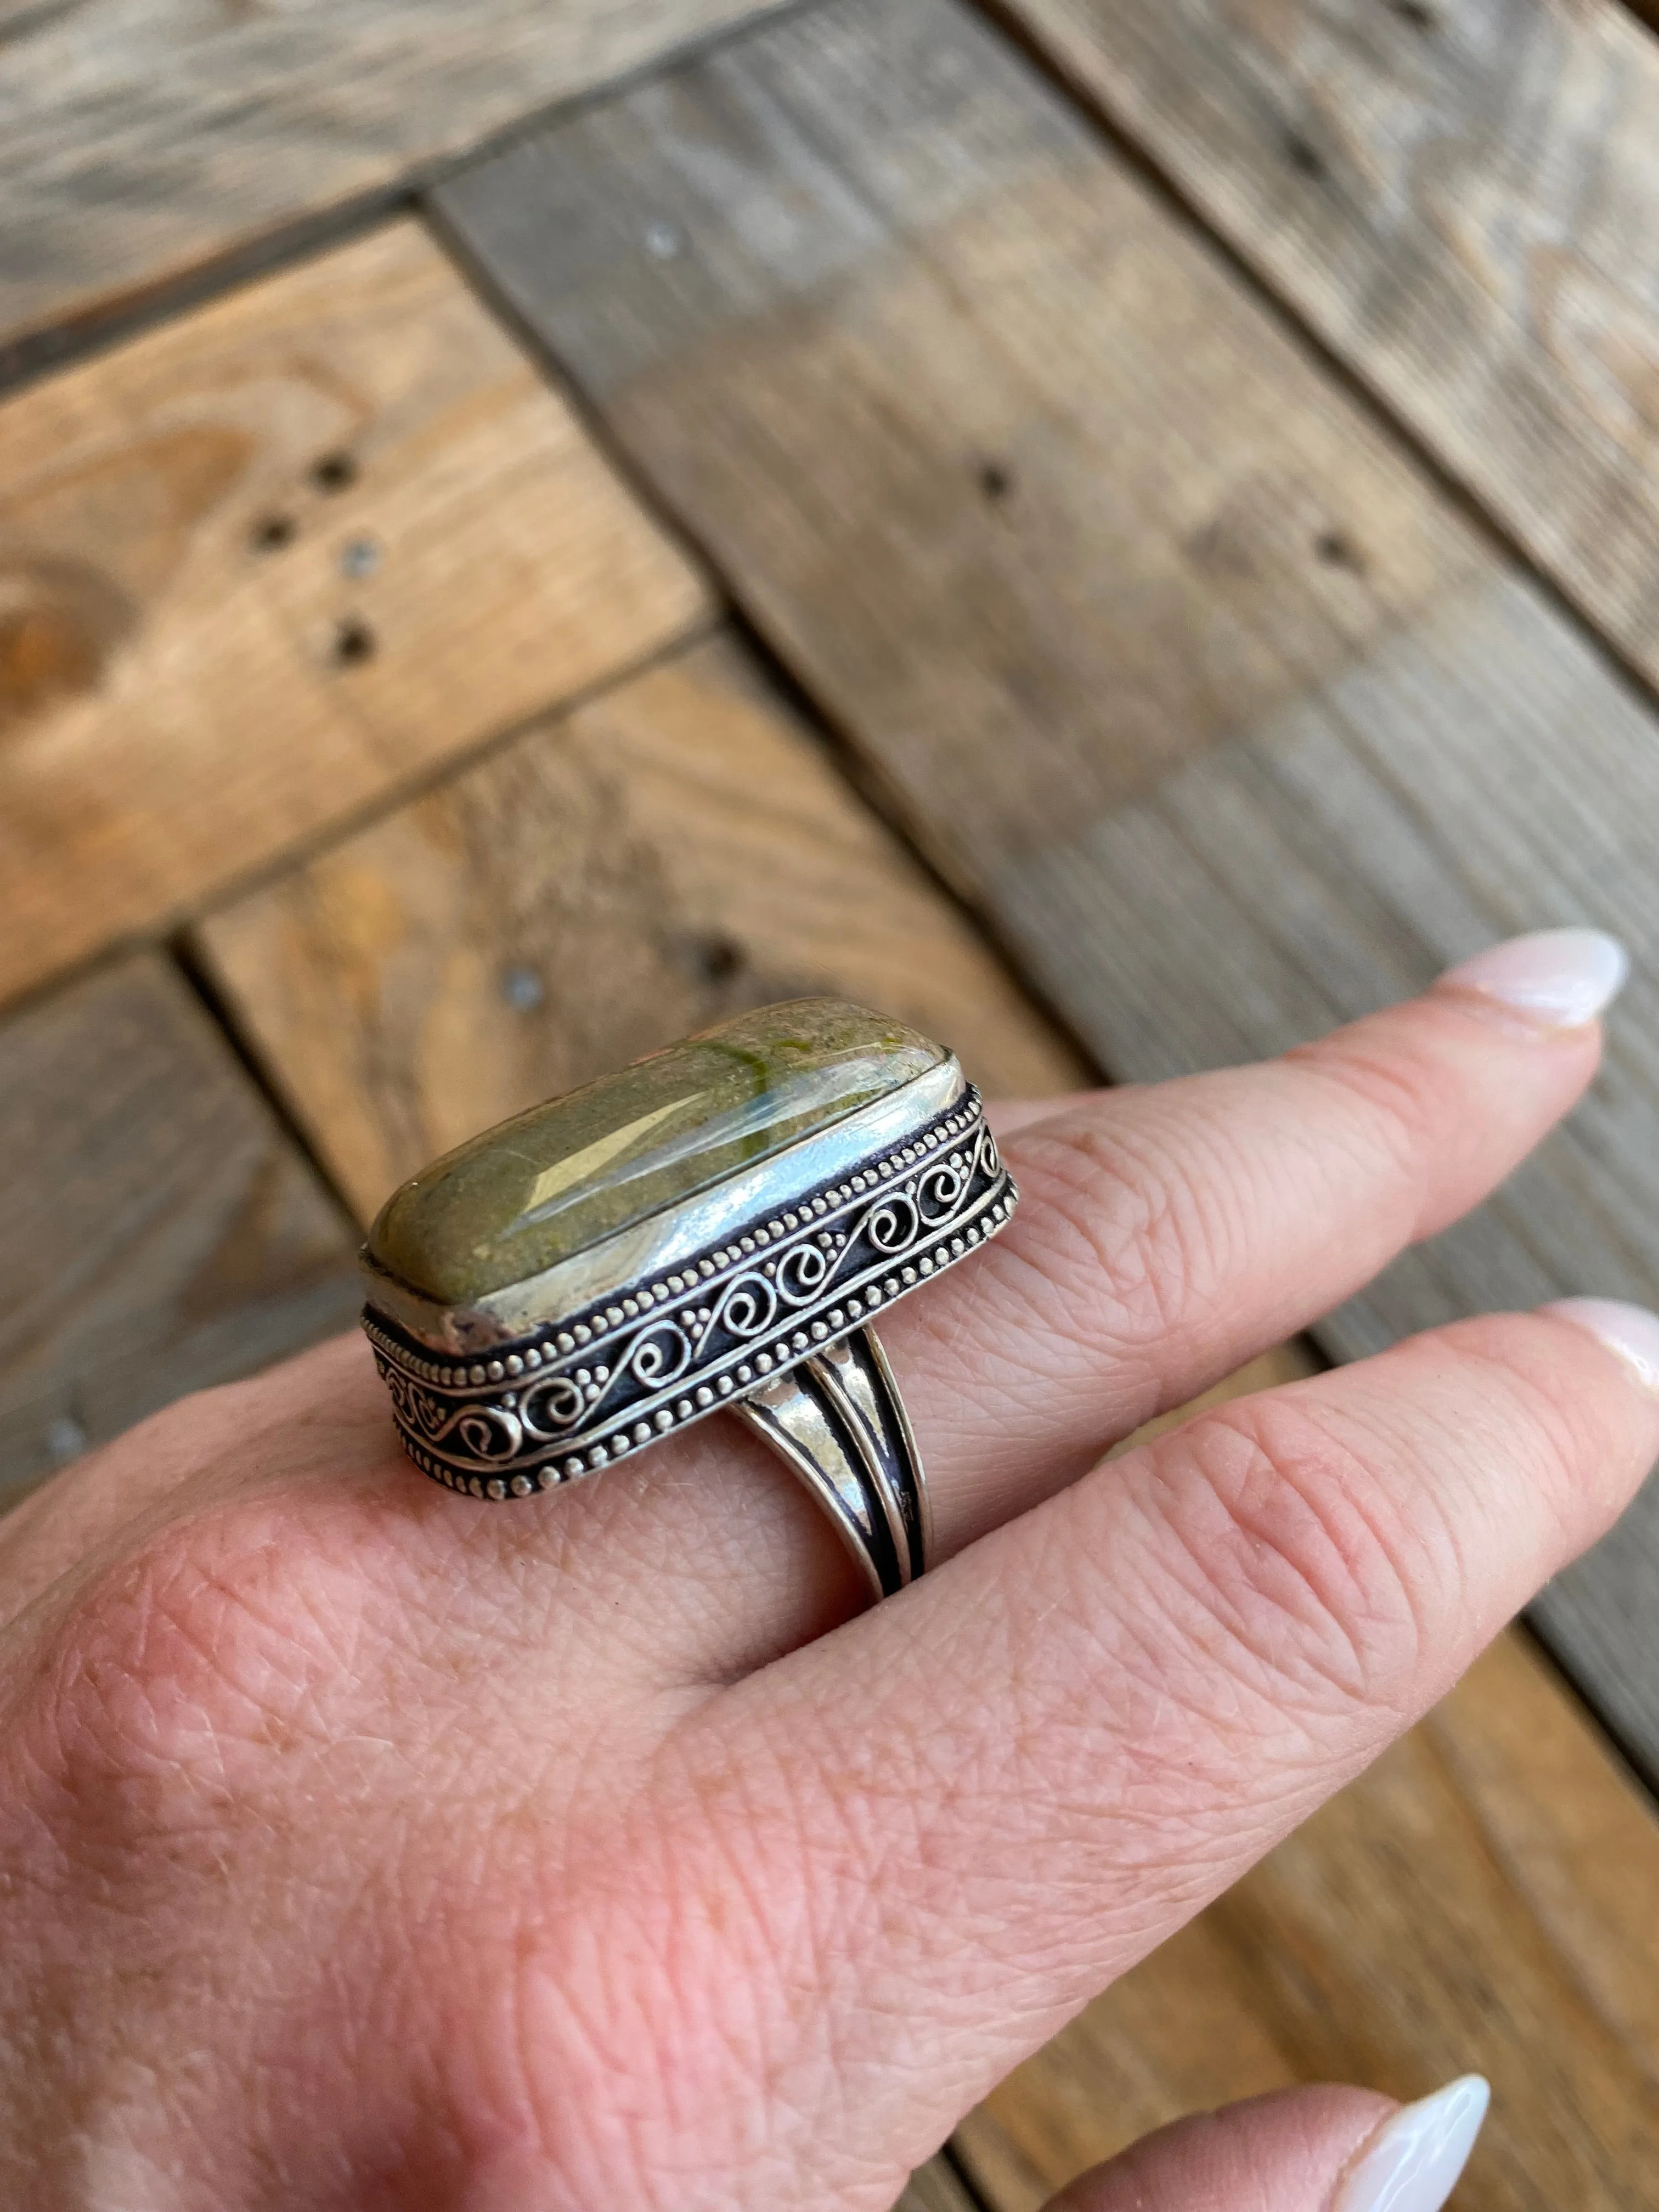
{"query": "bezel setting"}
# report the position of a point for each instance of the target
(583, 1388)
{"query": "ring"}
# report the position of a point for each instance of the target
(711, 1228)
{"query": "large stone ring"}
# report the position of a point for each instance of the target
(711, 1228)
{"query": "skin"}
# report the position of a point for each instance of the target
(361, 1846)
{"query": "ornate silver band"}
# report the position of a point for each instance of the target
(772, 1321)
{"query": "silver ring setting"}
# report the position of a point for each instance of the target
(760, 1300)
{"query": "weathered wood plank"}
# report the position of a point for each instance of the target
(1175, 660)
(159, 1230)
(141, 138)
(1462, 197)
(1482, 1898)
(672, 851)
(262, 567)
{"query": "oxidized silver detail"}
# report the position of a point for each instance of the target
(580, 1392)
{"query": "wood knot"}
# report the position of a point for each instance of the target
(61, 624)
(1303, 156)
(1334, 549)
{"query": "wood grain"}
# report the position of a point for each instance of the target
(673, 851)
(1175, 661)
(1462, 197)
(1482, 1898)
(247, 566)
(160, 1233)
(141, 138)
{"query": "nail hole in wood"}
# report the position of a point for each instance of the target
(720, 959)
(523, 990)
(271, 533)
(1303, 154)
(354, 643)
(362, 557)
(1416, 13)
(1338, 550)
(334, 472)
(66, 1439)
(996, 481)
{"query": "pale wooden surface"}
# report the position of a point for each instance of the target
(190, 679)
(141, 138)
(1178, 663)
(671, 852)
(160, 1231)
(1462, 197)
(1482, 1898)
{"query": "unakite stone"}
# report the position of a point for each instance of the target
(553, 1182)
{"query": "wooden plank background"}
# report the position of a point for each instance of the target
(220, 547)
(160, 1232)
(1461, 198)
(140, 139)
(1183, 669)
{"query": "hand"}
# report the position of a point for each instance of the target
(361, 1846)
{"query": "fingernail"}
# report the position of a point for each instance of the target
(1630, 1331)
(1557, 978)
(1412, 2161)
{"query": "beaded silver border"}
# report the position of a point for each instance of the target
(580, 1393)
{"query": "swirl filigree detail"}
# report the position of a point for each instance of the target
(580, 1393)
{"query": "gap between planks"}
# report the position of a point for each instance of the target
(139, 166)
(162, 1232)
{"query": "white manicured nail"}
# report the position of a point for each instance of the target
(1630, 1331)
(1412, 2161)
(1557, 978)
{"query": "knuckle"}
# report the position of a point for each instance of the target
(1292, 1568)
(189, 1664)
(1124, 1233)
(1499, 1394)
(651, 2000)
(1397, 1104)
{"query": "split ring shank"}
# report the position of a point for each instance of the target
(838, 1421)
